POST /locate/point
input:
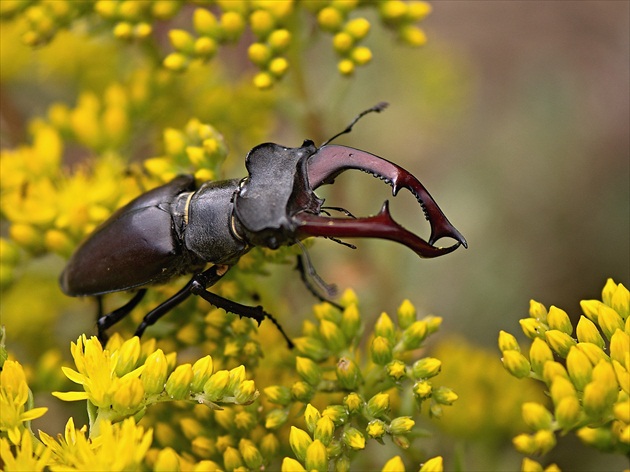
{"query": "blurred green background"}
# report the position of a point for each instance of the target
(515, 116)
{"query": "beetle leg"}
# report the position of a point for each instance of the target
(330, 161)
(256, 313)
(207, 278)
(106, 321)
(311, 288)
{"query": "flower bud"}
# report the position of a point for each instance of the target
(348, 374)
(444, 395)
(422, 389)
(532, 328)
(587, 332)
(353, 402)
(232, 459)
(525, 444)
(308, 370)
(539, 354)
(579, 368)
(316, 456)
(269, 445)
(396, 369)
(154, 374)
(128, 395)
(553, 369)
(202, 370)
(623, 378)
(426, 368)
(568, 412)
(261, 22)
(311, 417)
(435, 464)
(233, 25)
(203, 447)
(330, 19)
(276, 418)
(337, 413)
(259, 54)
(354, 439)
(536, 416)
(324, 430)
(279, 395)
(291, 465)
(590, 309)
(561, 388)
(384, 327)
(246, 392)
(343, 42)
(619, 345)
(128, 355)
(251, 455)
(378, 405)
(381, 350)
(301, 391)
(545, 440)
(609, 320)
(406, 314)
(395, 464)
(537, 311)
(167, 459)
(178, 383)
(376, 429)
(560, 342)
(620, 301)
(413, 336)
(558, 319)
(182, 40)
(345, 67)
(593, 352)
(507, 342)
(516, 364)
(217, 385)
(358, 28)
(332, 335)
(311, 347)
(361, 55)
(350, 321)
(401, 425)
(600, 438)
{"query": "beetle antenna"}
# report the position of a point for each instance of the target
(376, 108)
(306, 268)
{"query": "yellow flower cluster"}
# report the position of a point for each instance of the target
(330, 361)
(273, 24)
(125, 378)
(590, 385)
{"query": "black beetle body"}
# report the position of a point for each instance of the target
(177, 228)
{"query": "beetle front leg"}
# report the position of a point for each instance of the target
(255, 313)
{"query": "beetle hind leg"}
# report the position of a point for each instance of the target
(106, 321)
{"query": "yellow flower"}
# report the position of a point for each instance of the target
(96, 372)
(119, 446)
(22, 456)
(14, 397)
(299, 441)
(435, 464)
(395, 464)
(354, 439)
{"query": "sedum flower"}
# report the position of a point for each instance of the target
(299, 440)
(395, 464)
(401, 425)
(14, 402)
(376, 429)
(354, 439)
(324, 430)
(435, 464)
(117, 446)
(378, 405)
(291, 465)
(316, 456)
(348, 374)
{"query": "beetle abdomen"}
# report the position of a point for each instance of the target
(136, 246)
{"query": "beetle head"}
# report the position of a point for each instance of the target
(275, 191)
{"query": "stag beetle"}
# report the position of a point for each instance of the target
(179, 228)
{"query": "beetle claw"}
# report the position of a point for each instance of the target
(330, 161)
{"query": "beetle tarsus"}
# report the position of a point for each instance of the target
(307, 283)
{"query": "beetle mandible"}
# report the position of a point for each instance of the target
(180, 228)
